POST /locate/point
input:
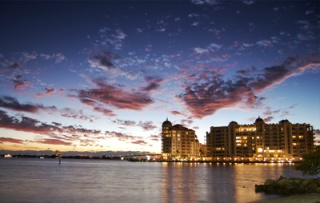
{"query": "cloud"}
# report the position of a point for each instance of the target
(203, 2)
(120, 136)
(70, 113)
(248, 2)
(27, 124)
(186, 122)
(269, 111)
(206, 92)
(176, 113)
(111, 64)
(155, 137)
(124, 122)
(13, 104)
(102, 61)
(114, 96)
(48, 92)
(59, 57)
(20, 84)
(210, 48)
(139, 142)
(148, 125)
(11, 140)
(111, 37)
(18, 66)
(55, 142)
(268, 119)
(201, 50)
(264, 43)
(104, 111)
(153, 83)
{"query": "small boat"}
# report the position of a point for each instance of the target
(8, 156)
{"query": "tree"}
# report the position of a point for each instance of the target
(310, 164)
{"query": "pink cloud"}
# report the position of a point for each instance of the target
(13, 104)
(48, 92)
(27, 124)
(115, 96)
(11, 140)
(55, 142)
(206, 92)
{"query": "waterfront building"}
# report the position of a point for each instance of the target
(179, 143)
(260, 141)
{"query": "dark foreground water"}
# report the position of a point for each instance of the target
(44, 180)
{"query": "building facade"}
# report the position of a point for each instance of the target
(260, 141)
(179, 143)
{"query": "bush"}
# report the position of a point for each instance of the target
(310, 164)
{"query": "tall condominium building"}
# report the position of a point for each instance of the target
(260, 141)
(179, 142)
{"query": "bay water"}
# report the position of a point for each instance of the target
(79, 180)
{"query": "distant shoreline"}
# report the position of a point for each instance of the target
(145, 160)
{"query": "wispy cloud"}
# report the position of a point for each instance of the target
(124, 122)
(148, 125)
(203, 2)
(121, 136)
(48, 92)
(55, 142)
(111, 64)
(111, 38)
(139, 142)
(27, 124)
(13, 104)
(18, 67)
(11, 140)
(153, 83)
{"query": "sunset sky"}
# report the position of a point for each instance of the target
(103, 75)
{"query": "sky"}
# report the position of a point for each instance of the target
(95, 76)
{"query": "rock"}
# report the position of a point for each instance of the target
(284, 186)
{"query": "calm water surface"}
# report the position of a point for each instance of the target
(35, 180)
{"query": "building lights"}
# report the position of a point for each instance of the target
(254, 142)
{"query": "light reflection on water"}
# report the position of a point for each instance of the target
(34, 180)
